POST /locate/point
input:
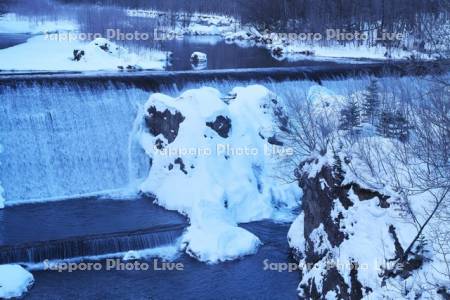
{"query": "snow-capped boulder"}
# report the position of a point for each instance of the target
(197, 57)
(210, 161)
(106, 53)
(14, 281)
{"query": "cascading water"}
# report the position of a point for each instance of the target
(67, 139)
(93, 245)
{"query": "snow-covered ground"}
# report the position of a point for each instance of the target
(52, 44)
(192, 23)
(43, 53)
(212, 161)
(283, 48)
(14, 281)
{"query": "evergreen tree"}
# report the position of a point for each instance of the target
(401, 126)
(350, 116)
(338, 172)
(393, 125)
(384, 127)
(371, 103)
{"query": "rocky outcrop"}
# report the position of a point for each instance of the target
(165, 122)
(324, 231)
(351, 239)
(222, 125)
(77, 54)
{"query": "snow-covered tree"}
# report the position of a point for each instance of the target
(350, 116)
(371, 103)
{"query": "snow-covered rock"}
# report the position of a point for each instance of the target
(297, 241)
(104, 50)
(198, 57)
(356, 235)
(14, 281)
(213, 162)
(99, 54)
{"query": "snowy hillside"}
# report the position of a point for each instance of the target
(372, 211)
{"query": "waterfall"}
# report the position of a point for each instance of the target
(67, 139)
(91, 245)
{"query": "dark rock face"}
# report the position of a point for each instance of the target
(281, 118)
(277, 51)
(222, 125)
(164, 123)
(180, 162)
(317, 205)
(320, 193)
(78, 54)
(105, 47)
(274, 141)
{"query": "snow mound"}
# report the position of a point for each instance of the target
(102, 50)
(14, 281)
(46, 53)
(297, 241)
(213, 161)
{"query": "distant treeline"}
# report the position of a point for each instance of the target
(308, 14)
(299, 15)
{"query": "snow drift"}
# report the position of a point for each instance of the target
(214, 160)
(14, 281)
(48, 53)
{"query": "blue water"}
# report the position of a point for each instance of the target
(79, 217)
(241, 279)
(12, 39)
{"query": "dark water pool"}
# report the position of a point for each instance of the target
(12, 39)
(222, 55)
(63, 219)
(240, 279)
